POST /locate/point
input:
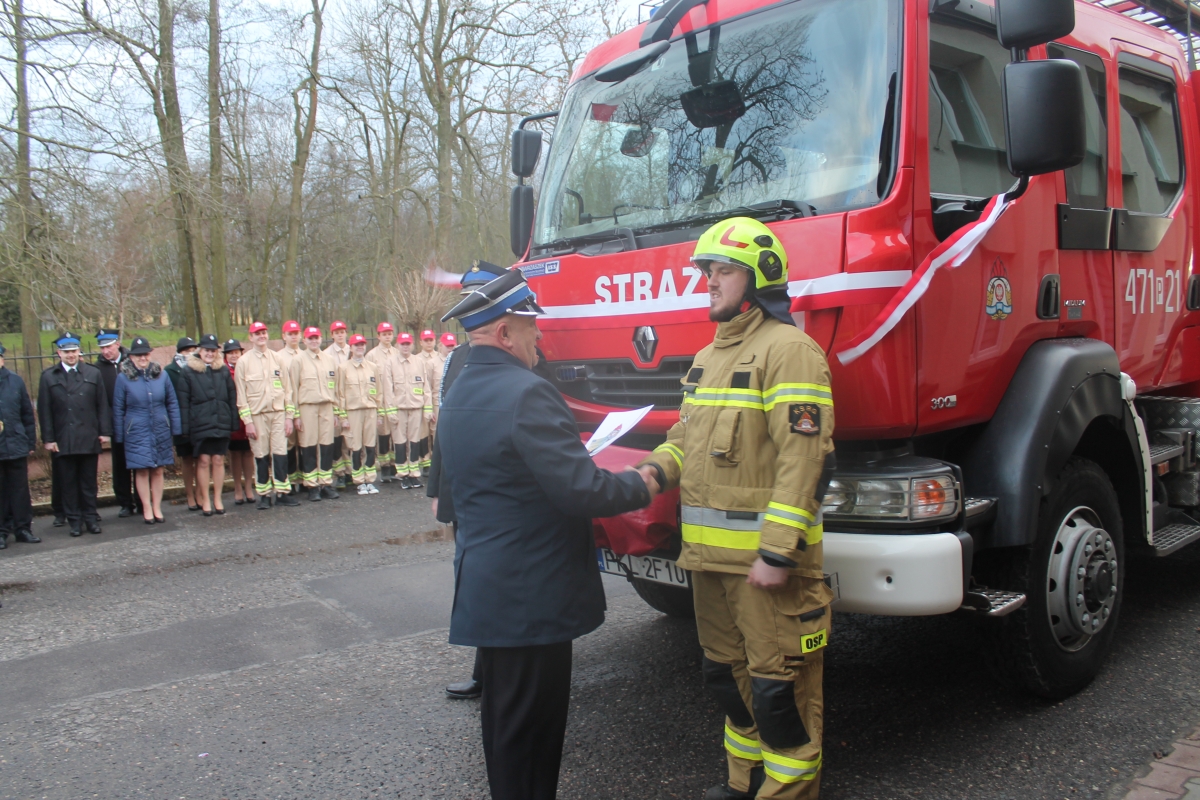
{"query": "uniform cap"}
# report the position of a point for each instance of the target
(209, 342)
(68, 341)
(508, 294)
(232, 345)
(427, 334)
(358, 338)
(186, 343)
(384, 326)
(291, 326)
(449, 340)
(107, 336)
(481, 272)
(255, 327)
(337, 325)
(140, 347)
(310, 332)
(404, 338)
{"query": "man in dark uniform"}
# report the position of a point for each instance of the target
(76, 423)
(18, 435)
(525, 493)
(480, 273)
(112, 353)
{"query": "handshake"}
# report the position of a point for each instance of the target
(650, 476)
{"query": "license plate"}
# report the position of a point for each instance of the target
(659, 570)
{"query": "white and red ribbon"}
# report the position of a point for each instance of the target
(953, 252)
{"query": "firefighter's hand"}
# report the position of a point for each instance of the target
(251, 431)
(288, 427)
(764, 576)
(345, 423)
(651, 479)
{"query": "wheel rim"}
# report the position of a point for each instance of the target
(1081, 579)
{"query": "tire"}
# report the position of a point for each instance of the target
(674, 601)
(1055, 645)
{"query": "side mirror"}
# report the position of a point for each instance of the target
(520, 219)
(526, 150)
(1043, 116)
(1021, 24)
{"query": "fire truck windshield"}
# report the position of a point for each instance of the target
(793, 103)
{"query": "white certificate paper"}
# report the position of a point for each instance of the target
(614, 426)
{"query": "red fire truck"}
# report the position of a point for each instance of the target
(1032, 419)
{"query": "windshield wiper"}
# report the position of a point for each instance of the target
(569, 244)
(775, 210)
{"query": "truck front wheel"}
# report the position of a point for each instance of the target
(1073, 578)
(674, 601)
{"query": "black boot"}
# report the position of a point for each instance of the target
(286, 500)
(60, 521)
(264, 503)
(314, 494)
(404, 484)
(723, 792)
(125, 511)
(329, 493)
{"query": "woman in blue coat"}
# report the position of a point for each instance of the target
(145, 417)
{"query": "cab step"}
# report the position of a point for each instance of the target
(992, 602)
(1172, 537)
(1165, 452)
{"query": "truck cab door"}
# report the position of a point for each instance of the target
(1152, 229)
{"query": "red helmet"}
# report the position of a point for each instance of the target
(255, 327)
(358, 338)
(291, 326)
(384, 326)
(310, 332)
(449, 340)
(427, 334)
(337, 325)
(404, 338)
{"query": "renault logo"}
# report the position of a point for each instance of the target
(645, 341)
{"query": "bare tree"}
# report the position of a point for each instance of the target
(216, 177)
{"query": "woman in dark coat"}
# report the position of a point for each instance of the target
(145, 417)
(208, 411)
(17, 437)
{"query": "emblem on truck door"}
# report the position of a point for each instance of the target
(645, 341)
(999, 292)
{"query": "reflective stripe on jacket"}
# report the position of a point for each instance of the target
(749, 448)
(261, 383)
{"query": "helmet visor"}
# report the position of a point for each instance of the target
(704, 262)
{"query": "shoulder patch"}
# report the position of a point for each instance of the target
(695, 374)
(805, 418)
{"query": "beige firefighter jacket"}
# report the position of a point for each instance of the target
(262, 384)
(340, 354)
(434, 362)
(381, 356)
(358, 388)
(410, 381)
(749, 448)
(314, 379)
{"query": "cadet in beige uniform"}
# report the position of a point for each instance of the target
(264, 403)
(359, 406)
(314, 387)
(411, 402)
(341, 455)
(291, 349)
(434, 361)
(381, 356)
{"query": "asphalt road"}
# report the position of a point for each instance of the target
(301, 653)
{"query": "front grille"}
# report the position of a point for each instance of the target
(620, 384)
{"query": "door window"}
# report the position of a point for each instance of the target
(1087, 183)
(967, 155)
(1151, 163)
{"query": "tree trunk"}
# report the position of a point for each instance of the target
(179, 175)
(304, 127)
(216, 167)
(31, 334)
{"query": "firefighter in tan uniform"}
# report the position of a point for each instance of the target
(291, 349)
(264, 403)
(340, 351)
(434, 361)
(359, 404)
(314, 392)
(411, 403)
(381, 356)
(752, 455)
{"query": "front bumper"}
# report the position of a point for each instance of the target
(900, 575)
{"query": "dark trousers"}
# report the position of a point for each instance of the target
(16, 509)
(122, 479)
(526, 694)
(56, 484)
(79, 488)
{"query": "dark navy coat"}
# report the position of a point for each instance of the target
(525, 493)
(145, 416)
(73, 409)
(16, 412)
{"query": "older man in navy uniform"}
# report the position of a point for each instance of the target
(525, 492)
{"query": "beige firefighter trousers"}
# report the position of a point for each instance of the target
(271, 439)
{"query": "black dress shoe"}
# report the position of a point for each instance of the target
(467, 690)
(60, 521)
(160, 520)
(286, 500)
(76, 532)
(27, 537)
(329, 493)
(239, 502)
(193, 508)
(125, 511)
(207, 513)
(263, 503)
(93, 527)
(148, 521)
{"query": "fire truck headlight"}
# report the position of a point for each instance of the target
(924, 499)
(934, 497)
